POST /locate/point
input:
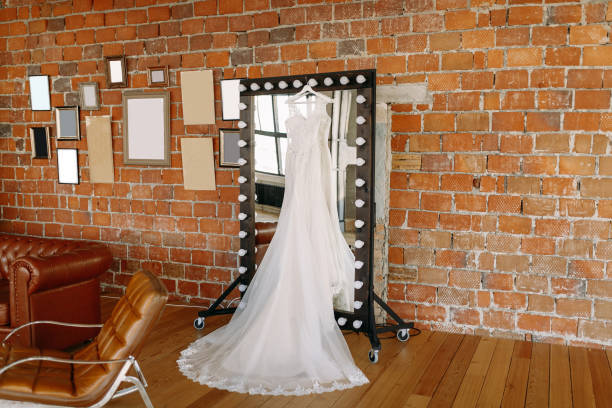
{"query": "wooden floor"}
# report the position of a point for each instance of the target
(433, 369)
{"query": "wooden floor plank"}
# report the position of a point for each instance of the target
(447, 389)
(609, 354)
(601, 377)
(560, 394)
(469, 391)
(396, 385)
(495, 381)
(582, 387)
(538, 384)
(438, 366)
(516, 384)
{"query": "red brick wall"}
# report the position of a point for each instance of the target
(504, 229)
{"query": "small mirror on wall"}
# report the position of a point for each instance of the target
(88, 92)
(67, 123)
(158, 76)
(229, 151)
(116, 73)
(39, 93)
(68, 166)
(39, 139)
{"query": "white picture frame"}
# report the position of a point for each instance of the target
(146, 128)
(230, 99)
(39, 93)
(68, 166)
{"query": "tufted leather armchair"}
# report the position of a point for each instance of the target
(265, 233)
(90, 376)
(50, 279)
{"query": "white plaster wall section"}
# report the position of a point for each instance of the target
(386, 95)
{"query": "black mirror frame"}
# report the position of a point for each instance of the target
(364, 81)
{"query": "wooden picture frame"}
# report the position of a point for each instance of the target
(67, 123)
(89, 96)
(40, 142)
(116, 71)
(68, 166)
(40, 100)
(146, 128)
(158, 76)
(229, 150)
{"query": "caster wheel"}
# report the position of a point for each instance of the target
(403, 335)
(198, 323)
(373, 356)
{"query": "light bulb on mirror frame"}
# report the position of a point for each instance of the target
(358, 264)
(242, 143)
(243, 234)
(242, 106)
(312, 82)
(357, 323)
(360, 79)
(341, 321)
(242, 88)
(359, 182)
(242, 216)
(282, 84)
(344, 80)
(242, 287)
(358, 284)
(242, 198)
(360, 120)
(359, 223)
(357, 304)
(360, 141)
(360, 99)
(359, 244)
(360, 162)
(242, 161)
(242, 252)
(242, 179)
(297, 83)
(254, 86)
(359, 203)
(242, 269)
(328, 81)
(268, 86)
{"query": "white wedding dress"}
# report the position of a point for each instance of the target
(283, 339)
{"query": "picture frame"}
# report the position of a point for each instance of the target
(229, 150)
(158, 76)
(146, 128)
(116, 71)
(68, 166)
(230, 99)
(67, 123)
(40, 99)
(40, 142)
(89, 96)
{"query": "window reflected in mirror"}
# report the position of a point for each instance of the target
(270, 134)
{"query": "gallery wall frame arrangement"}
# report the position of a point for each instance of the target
(67, 123)
(146, 128)
(229, 149)
(158, 76)
(40, 142)
(68, 166)
(116, 71)
(88, 96)
(39, 93)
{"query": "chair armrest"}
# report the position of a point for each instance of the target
(16, 329)
(61, 270)
(7, 367)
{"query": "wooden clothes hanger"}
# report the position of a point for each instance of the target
(305, 90)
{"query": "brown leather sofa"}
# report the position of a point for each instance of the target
(92, 375)
(50, 279)
(265, 233)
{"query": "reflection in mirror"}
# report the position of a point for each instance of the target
(270, 135)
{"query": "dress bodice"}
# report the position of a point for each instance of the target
(304, 131)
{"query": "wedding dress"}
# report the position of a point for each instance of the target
(283, 339)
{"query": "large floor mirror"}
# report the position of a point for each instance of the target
(263, 147)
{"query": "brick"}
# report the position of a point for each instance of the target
(436, 122)
(460, 20)
(554, 100)
(563, 56)
(549, 35)
(498, 319)
(472, 121)
(589, 34)
(577, 165)
(603, 310)
(420, 63)
(418, 181)
(477, 39)
(533, 322)
(548, 78)
(592, 99)
(423, 23)
(598, 55)
(424, 143)
(514, 225)
(581, 121)
(470, 163)
(508, 121)
(503, 164)
(585, 78)
(435, 239)
(573, 307)
(522, 185)
(444, 41)
(457, 61)
(565, 14)
(392, 64)
(514, 79)
(509, 300)
(525, 15)
(518, 100)
(559, 186)
(457, 182)
(403, 199)
(477, 80)
(586, 269)
(520, 57)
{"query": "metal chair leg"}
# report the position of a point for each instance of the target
(141, 389)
